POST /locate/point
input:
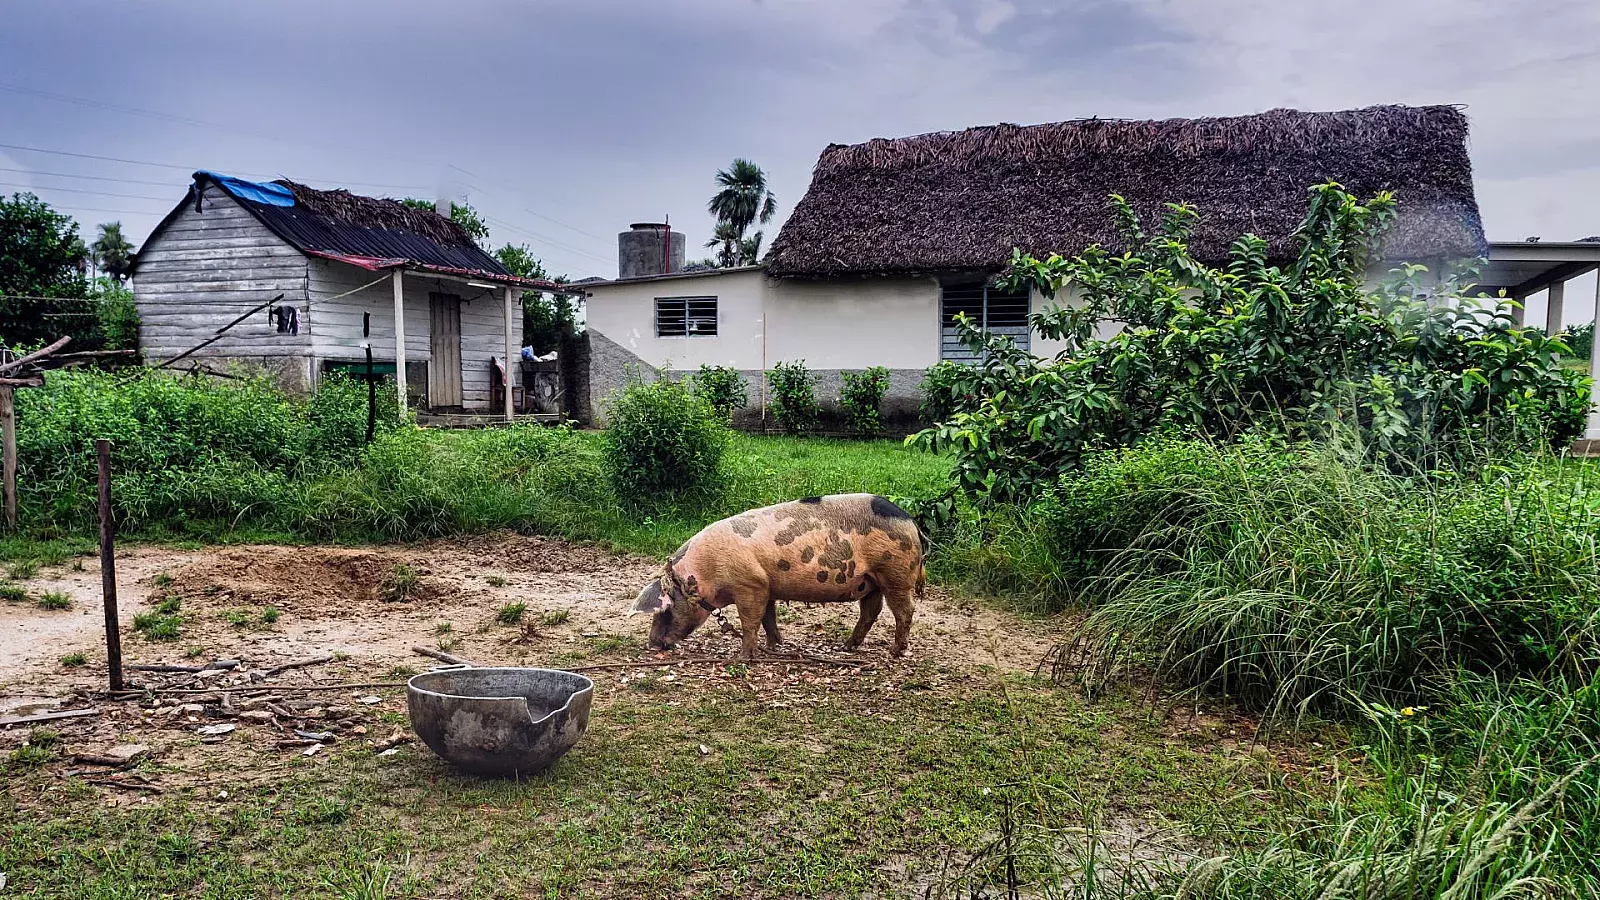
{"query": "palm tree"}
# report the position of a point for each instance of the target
(112, 252)
(743, 201)
(728, 243)
(750, 250)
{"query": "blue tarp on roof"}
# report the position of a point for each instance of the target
(261, 192)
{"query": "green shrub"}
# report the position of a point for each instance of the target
(399, 584)
(1297, 349)
(948, 388)
(119, 318)
(1580, 341)
(794, 396)
(270, 615)
(663, 443)
(723, 388)
(861, 397)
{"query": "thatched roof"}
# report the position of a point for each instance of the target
(962, 200)
(375, 212)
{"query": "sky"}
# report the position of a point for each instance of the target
(563, 122)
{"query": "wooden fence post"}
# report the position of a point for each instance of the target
(108, 566)
(8, 438)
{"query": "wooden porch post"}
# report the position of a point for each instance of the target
(1555, 316)
(1518, 312)
(400, 337)
(511, 303)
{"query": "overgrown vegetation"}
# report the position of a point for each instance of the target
(794, 396)
(723, 388)
(861, 398)
(1299, 348)
(663, 443)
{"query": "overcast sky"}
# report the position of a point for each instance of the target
(565, 121)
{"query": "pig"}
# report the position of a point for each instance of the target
(834, 549)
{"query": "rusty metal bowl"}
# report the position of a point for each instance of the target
(498, 721)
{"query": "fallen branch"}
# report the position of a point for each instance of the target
(313, 661)
(125, 785)
(442, 656)
(160, 668)
(247, 691)
(48, 716)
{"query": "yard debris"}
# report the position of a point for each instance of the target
(389, 752)
(311, 750)
(442, 656)
(704, 750)
(129, 783)
(301, 664)
(213, 730)
(47, 716)
(257, 716)
(369, 700)
(117, 757)
(321, 737)
(393, 741)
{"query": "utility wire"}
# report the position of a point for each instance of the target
(142, 162)
(35, 187)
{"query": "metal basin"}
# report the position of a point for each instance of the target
(500, 721)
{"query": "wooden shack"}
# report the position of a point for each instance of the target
(339, 260)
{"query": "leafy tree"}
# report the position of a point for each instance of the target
(1250, 345)
(742, 201)
(546, 318)
(112, 252)
(41, 259)
(462, 214)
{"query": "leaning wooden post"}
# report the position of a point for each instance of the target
(511, 302)
(8, 438)
(372, 383)
(108, 566)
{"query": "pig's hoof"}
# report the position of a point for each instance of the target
(898, 650)
(774, 643)
(851, 646)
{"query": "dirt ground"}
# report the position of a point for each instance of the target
(265, 606)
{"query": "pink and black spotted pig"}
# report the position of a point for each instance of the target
(836, 549)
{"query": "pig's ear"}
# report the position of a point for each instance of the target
(651, 599)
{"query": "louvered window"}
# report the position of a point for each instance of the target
(686, 317)
(994, 310)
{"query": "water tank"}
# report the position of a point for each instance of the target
(650, 248)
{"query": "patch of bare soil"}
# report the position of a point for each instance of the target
(337, 606)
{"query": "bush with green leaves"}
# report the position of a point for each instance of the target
(794, 396)
(1296, 347)
(948, 388)
(1580, 341)
(861, 398)
(663, 443)
(723, 388)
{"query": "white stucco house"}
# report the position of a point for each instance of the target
(894, 237)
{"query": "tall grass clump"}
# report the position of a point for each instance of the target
(663, 443)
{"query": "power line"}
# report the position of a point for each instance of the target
(505, 189)
(87, 177)
(31, 188)
(548, 240)
(142, 162)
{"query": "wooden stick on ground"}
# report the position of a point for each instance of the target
(48, 716)
(313, 661)
(442, 656)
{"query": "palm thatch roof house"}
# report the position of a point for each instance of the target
(303, 281)
(895, 237)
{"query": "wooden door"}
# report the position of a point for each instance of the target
(444, 370)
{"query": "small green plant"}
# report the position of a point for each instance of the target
(162, 580)
(54, 600)
(400, 584)
(44, 737)
(30, 756)
(22, 571)
(861, 397)
(12, 592)
(75, 659)
(269, 615)
(194, 652)
(723, 388)
(443, 628)
(169, 604)
(238, 618)
(448, 642)
(157, 627)
(794, 396)
(663, 443)
(511, 613)
(495, 581)
(556, 616)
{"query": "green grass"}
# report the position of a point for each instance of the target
(158, 627)
(54, 600)
(270, 615)
(22, 571)
(854, 798)
(511, 613)
(399, 584)
(11, 592)
(74, 660)
(556, 617)
(495, 581)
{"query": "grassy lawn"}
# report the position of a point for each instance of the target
(699, 788)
